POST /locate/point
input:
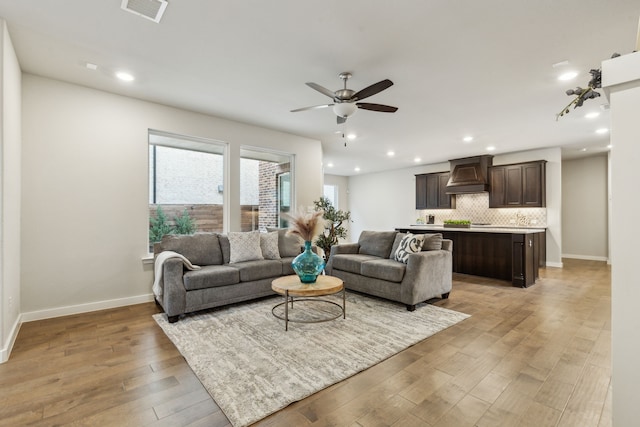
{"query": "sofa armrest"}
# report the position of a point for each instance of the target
(174, 295)
(428, 275)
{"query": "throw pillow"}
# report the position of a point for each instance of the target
(410, 244)
(244, 246)
(269, 245)
(432, 242)
(289, 245)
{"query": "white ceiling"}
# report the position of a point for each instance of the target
(480, 68)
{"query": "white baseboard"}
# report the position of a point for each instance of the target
(586, 257)
(11, 339)
(553, 264)
(84, 308)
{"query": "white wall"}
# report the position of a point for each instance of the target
(621, 80)
(10, 164)
(85, 190)
(585, 208)
(386, 200)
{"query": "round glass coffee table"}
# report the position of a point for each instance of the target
(291, 286)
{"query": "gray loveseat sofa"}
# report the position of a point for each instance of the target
(369, 267)
(218, 281)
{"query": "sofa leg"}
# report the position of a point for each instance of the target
(445, 296)
(173, 319)
(411, 307)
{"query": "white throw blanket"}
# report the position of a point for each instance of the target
(160, 259)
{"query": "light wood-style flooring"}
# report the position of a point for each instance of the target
(527, 357)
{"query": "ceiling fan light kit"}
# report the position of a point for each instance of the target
(344, 109)
(344, 100)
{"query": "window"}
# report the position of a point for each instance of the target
(265, 188)
(186, 185)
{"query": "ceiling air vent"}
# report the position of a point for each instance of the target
(149, 9)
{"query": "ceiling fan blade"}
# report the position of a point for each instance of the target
(341, 120)
(372, 90)
(315, 107)
(321, 89)
(377, 107)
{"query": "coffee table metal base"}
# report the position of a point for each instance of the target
(289, 300)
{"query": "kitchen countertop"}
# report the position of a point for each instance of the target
(476, 229)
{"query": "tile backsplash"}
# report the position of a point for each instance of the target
(475, 207)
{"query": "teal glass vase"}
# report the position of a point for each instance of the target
(308, 265)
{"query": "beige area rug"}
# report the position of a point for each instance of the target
(252, 367)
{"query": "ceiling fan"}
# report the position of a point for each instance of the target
(345, 100)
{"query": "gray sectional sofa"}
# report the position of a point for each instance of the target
(369, 266)
(217, 281)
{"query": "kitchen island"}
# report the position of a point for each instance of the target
(507, 253)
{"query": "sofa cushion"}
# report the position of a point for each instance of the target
(376, 243)
(211, 276)
(432, 242)
(288, 244)
(410, 244)
(200, 248)
(224, 247)
(269, 245)
(256, 270)
(396, 243)
(384, 269)
(287, 268)
(244, 246)
(350, 262)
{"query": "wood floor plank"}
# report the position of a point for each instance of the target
(527, 357)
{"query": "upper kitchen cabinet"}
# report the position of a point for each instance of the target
(421, 191)
(519, 185)
(431, 191)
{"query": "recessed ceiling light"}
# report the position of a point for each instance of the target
(391, 153)
(91, 66)
(351, 136)
(567, 76)
(417, 160)
(467, 139)
(124, 76)
(583, 149)
(330, 165)
(592, 115)
(491, 148)
(602, 131)
(357, 169)
(610, 146)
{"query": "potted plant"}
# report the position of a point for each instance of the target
(457, 223)
(334, 228)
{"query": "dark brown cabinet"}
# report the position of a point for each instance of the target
(431, 191)
(519, 185)
(515, 257)
(421, 191)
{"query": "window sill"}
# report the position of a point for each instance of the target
(148, 259)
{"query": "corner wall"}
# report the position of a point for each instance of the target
(621, 82)
(10, 165)
(85, 191)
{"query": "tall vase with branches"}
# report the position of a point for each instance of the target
(335, 221)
